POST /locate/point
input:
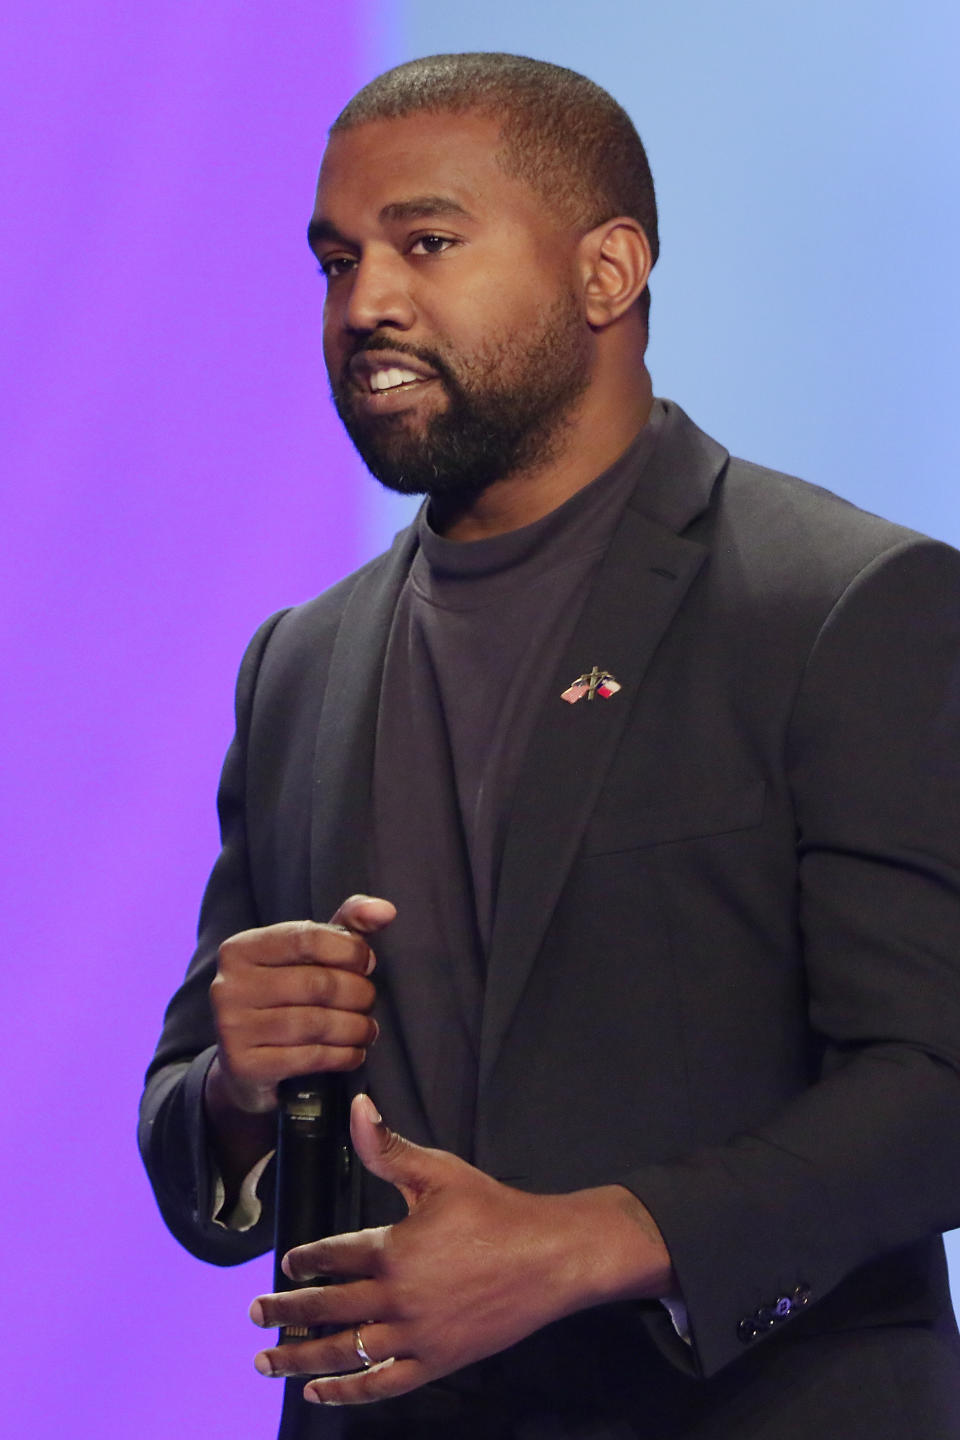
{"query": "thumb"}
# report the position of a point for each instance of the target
(388, 1156)
(364, 914)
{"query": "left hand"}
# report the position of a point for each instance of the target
(474, 1267)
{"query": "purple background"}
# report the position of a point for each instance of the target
(174, 473)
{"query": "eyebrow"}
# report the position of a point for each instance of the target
(319, 230)
(423, 207)
(420, 207)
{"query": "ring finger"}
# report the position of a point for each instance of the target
(333, 1354)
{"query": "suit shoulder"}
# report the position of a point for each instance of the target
(807, 536)
(315, 622)
(810, 510)
(327, 608)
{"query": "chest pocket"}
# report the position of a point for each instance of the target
(620, 823)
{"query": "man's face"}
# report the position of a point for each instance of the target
(453, 336)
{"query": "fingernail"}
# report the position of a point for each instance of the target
(263, 1363)
(316, 1399)
(376, 1032)
(371, 1110)
(256, 1313)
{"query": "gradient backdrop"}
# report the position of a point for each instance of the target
(173, 473)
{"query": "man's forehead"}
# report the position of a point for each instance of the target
(460, 150)
(423, 166)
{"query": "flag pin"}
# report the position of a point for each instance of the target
(593, 682)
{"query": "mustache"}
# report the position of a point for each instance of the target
(376, 342)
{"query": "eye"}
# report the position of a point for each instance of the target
(431, 244)
(331, 267)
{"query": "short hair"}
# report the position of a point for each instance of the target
(561, 133)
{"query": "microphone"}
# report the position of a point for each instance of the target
(316, 1173)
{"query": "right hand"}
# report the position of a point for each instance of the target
(294, 999)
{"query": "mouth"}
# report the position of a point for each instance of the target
(394, 378)
(379, 373)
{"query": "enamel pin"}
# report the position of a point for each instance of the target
(594, 682)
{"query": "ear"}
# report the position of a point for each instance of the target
(615, 264)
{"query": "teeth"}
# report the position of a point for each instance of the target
(390, 379)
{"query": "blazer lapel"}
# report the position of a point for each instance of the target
(346, 733)
(638, 590)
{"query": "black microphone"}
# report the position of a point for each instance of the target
(315, 1173)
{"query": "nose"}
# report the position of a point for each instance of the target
(379, 294)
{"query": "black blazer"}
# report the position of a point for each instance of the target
(725, 970)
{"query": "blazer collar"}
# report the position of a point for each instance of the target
(347, 728)
(678, 479)
(638, 590)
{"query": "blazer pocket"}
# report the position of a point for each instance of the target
(617, 826)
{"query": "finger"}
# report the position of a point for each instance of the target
(332, 1354)
(308, 1357)
(264, 1066)
(298, 942)
(258, 987)
(293, 1025)
(317, 1305)
(389, 1378)
(364, 914)
(357, 1253)
(413, 1169)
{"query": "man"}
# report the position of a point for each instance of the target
(641, 765)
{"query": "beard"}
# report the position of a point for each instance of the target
(506, 410)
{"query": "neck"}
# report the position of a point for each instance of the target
(602, 427)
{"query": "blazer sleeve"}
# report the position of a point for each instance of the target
(867, 1160)
(172, 1134)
